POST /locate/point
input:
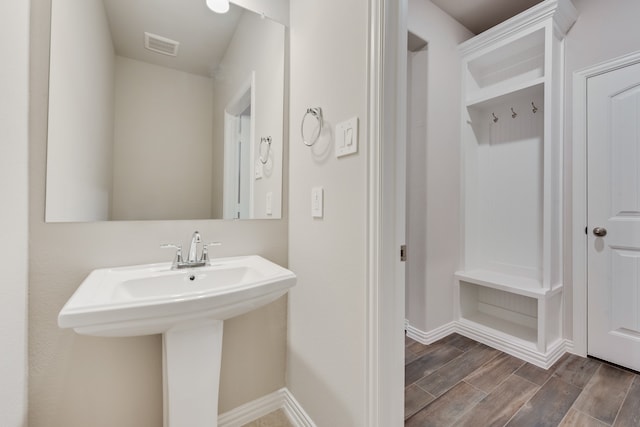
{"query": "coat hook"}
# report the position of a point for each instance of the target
(495, 119)
(513, 113)
(534, 109)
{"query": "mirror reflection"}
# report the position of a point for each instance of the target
(161, 110)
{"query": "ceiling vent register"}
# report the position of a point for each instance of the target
(162, 45)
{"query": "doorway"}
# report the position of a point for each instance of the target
(415, 175)
(613, 213)
(239, 155)
(607, 211)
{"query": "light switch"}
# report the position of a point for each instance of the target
(347, 137)
(317, 202)
(258, 170)
(269, 204)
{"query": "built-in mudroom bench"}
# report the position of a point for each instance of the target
(508, 289)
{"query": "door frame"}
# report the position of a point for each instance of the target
(385, 297)
(579, 187)
(244, 97)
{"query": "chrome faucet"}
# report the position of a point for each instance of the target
(193, 248)
(192, 258)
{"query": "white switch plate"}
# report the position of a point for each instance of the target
(347, 137)
(269, 208)
(317, 202)
(258, 170)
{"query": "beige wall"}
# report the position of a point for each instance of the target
(433, 217)
(103, 382)
(603, 31)
(327, 315)
(14, 29)
(162, 159)
(81, 117)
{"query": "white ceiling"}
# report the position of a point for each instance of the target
(480, 15)
(203, 34)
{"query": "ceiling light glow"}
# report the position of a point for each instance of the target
(218, 6)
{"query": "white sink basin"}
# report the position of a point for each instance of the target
(188, 308)
(152, 298)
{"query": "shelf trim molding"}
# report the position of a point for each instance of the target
(481, 278)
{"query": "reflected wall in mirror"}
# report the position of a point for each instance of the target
(188, 127)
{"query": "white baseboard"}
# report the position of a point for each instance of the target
(571, 348)
(431, 336)
(513, 346)
(495, 340)
(294, 411)
(251, 411)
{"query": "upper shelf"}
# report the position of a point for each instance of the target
(515, 55)
(521, 59)
(496, 95)
(513, 67)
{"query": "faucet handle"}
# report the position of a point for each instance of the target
(171, 246)
(178, 257)
(205, 250)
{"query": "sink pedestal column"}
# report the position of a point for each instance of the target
(191, 358)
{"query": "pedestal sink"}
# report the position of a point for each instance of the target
(188, 308)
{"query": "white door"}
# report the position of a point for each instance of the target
(613, 159)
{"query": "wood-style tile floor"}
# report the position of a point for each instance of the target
(459, 382)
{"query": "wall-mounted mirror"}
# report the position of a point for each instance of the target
(162, 110)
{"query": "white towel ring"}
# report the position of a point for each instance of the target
(268, 141)
(317, 113)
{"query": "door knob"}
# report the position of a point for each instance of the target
(600, 231)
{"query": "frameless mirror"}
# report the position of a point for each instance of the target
(163, 110)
